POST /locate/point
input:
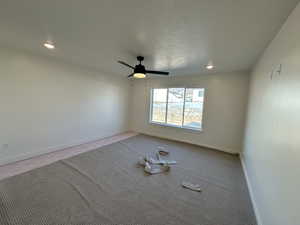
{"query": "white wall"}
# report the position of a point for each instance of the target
(224, 109)
(46, 105)
(272, 140)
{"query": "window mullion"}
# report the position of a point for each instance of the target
(183, 106)
(167, 105)
(151, 104)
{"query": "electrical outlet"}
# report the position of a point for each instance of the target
(276, 71)
(279, 69)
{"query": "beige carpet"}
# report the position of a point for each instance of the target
(106, 186)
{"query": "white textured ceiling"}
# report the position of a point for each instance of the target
(176, 35)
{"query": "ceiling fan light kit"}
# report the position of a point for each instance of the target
(139, 75)
(139, 71)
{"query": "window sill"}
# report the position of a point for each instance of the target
(178, 127)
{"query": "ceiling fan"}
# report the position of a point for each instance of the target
(139, 70)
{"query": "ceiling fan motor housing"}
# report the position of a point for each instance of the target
(140, 69)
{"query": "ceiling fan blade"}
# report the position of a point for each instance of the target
(125, 64)
(131, 75)
(157, 72)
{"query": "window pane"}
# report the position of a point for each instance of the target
(175, 106)
(159, 105)
(193, 107)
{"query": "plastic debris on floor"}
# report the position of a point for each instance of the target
(193, 187)
(159, 163)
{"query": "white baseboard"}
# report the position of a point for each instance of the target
(36, 161)
(250, 188)
(27, 155)
(193, 143)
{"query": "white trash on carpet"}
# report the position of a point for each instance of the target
(193, 187)
(160, 163)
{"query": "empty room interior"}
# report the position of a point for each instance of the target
(150, 112)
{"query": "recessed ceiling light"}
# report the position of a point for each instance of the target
(210, 66)
(49, 45)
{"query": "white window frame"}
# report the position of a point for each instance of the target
(166, 116)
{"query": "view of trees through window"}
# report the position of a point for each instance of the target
(181, 107)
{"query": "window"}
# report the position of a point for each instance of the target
(179, 107)
(159, 105)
